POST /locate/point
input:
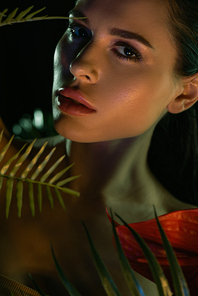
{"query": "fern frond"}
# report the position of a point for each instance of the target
(30, 16)
(19, 195)
(1, 135)
(50, 197)
(9, 189)
(2, 14)
(42, 165)
(11, 15)
(39, 196)
(22, 159)
(5, 149)
(48, 173)
(24, 16)
(23, 13)
(11, 179)
(1, 181)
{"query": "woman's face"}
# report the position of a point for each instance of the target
(120, 58)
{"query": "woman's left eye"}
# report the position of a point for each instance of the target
(125, 51)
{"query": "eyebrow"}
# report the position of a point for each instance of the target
(114, 31)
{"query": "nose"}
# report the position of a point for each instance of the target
(85, 66)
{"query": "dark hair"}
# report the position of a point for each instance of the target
(173, 153)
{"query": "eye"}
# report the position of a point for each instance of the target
(126, 51)
(78, 31)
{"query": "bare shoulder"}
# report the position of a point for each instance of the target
(178, 205)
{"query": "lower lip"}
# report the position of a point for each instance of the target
(71, 108)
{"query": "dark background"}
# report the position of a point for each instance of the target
(26, 58)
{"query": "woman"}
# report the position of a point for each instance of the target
(117, 74)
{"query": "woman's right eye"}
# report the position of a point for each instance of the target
(79, 32)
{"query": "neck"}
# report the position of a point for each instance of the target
(115, 172)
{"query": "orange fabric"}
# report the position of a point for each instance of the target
(181, 228)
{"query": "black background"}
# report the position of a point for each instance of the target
(26, 58)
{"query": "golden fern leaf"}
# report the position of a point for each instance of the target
(24, 16)
(31, 180)
(2, 14)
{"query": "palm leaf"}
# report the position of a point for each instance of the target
(25, 16)
(70, 288)
(23, 179)
(157, 272)
(179, 282)
(103, 273)
(131, 280)
(37, 287)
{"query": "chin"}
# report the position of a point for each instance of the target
(79, 135)
(69, 132)
(83, 132)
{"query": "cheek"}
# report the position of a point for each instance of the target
(135, 104)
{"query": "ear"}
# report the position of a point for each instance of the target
(187, 98)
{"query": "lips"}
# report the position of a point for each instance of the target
(72, 102)
(76, 96)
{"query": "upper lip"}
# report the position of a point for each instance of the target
(75, 95)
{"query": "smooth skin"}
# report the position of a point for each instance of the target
(109, 147)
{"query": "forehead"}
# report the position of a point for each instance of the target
(125, 7)
(148, 17)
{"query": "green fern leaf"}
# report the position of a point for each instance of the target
(42, 165)
(2, 14)
(11, 16)
(61, 183)
(58, 175)
(50, 197)
(31, 198)
(20, 181)
(48, 173)
(1, 135)
(1, 182)
(9, 189)
(6, 148)
(22, 159)
(33, 14)
(23, 17)
(23, 13)
(8, 163)
(60, 198)
(19, 195)
(39, 196)
(33, 162)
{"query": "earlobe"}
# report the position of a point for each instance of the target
(187, 99)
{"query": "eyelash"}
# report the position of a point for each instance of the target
(137, 58)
